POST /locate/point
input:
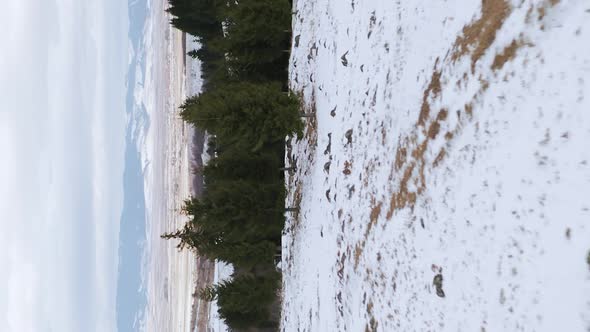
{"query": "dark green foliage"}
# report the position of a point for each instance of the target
(244, 210)
(238, 163)
(252, 47)
(244, 301)
(201, 18)
(239, 217)
(197, 17)
(252, 41)
(251, 113)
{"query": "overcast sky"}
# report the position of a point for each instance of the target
(62, 137)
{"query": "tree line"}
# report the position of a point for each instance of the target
(244, 107)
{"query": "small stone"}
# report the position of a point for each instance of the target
(344, 60)
(333, 112)
(438, 284)
(327, 167)
(348, 136)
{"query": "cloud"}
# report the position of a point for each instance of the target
(62, 123)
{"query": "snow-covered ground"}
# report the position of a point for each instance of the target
(444, 183)
(166, 161)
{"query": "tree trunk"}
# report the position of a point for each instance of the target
(306, 115)
(288, 169)
(291, 209)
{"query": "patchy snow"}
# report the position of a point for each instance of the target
(444, 183)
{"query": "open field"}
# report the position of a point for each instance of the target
(443, 183)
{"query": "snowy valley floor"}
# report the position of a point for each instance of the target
(444, 182)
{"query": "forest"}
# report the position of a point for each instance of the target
(246, 108)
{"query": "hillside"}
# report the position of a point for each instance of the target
(443, 182)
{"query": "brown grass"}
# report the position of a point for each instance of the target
(403, 197)
(432, 91)
(347, 168)
(410, 165)
(374, 216)
(358, 252)
(442, 115)
(400, 157)
(375, 212)
(439, 157)
(507, 54)
(542, 11)
(311, 130)
(415, 164)
(433, 130)
(478, 36)
(297, 197)
(469, 109)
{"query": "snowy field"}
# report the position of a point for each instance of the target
(444, 182)
(169, 275)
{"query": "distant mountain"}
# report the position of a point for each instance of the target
(131, 294)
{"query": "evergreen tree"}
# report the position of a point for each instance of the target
(244, 301)
(234, 216)
(239, 217)
(253, 114)
(239, 164)
(197, 17)
(257, 30)
(247, 211)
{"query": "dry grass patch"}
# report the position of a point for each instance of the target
(311, 130)
(358, 251)
(410, 167)
(374, 216)
(401, 155)
(469, 109)
(432, 91)
(506, 55)
(347, 168)
(478, 36)
(297, 197)
(439, 157)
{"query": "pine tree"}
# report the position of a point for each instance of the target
(244, 301)
(257, 30)
(197, 17)
(248, 211)
(240, 216)
(252, 114)
(240, 164)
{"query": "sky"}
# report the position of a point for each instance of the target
(63, 67)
